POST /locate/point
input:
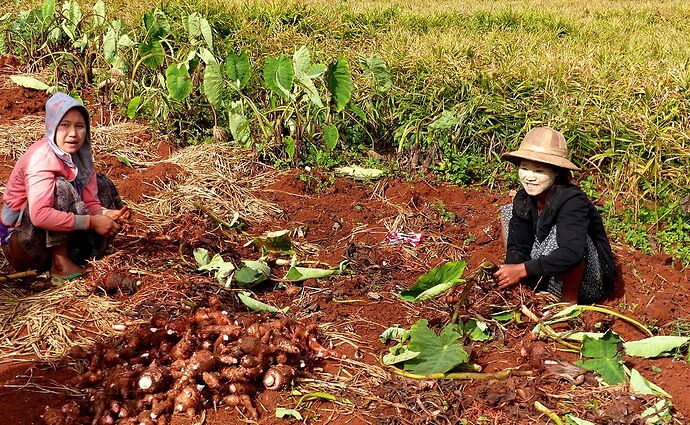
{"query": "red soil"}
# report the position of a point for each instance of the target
(342, 219)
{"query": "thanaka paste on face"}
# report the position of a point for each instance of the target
(71, 132)
(536, 177)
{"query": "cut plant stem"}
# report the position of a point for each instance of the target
(20, 275)
(501, 374)
(548, 412)
(211, 215)
(604, 310)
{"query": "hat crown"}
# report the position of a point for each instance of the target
(545, 140)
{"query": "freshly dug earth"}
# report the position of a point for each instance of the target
(152, 272)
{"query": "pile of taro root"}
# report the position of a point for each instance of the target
(209, 359)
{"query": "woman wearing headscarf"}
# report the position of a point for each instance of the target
(555, 236)
(57, 211)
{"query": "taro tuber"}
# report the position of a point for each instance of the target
(212, 380)
(153, 379)
(188, 400)
(190, 362)
(278, 377)
(242, 388)
(183, 349)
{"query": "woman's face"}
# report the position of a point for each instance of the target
(536, 177)
(71, 132)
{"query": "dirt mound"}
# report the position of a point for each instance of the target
(136, 184)
(19, 102)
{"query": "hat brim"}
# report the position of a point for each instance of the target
(516, 156)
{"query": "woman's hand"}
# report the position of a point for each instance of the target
(510, 274)
(118, 215)
(104, 225)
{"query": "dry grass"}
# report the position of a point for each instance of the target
(220, 177)
(44, 326)
(16, 137)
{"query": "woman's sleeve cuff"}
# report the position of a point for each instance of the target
(81, 222)
(534, 267)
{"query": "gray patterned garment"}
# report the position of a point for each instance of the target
(592, 286)
(81, 245)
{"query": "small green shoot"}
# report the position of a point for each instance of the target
(124, 160)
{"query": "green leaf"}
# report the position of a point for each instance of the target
(201, 256)
(357, 111)
(579, 336)
(156, 24)
(282, 412)
(503, 316)
(477, 330)
(237, 69)
(207, 56)
(330, 136)
(359, 173)
(213, 84)
(239, 127)
(214, 264)
(572, 420)
(399, 354)
(315, 70)
(445, 121)
(437, 353)
(301, 60)
(278, 241)
(133, 107)
(290, 146)
(606, 346)
(660, 413)
(376, 71)
(394, 333)
(72, 11)
(152, 53)
(339, 83)
(309, 88)
(251, 273)
(178, 81)
(125, 41)
(206, 32)
(314, 395)
(279, 75)
(99, 13)
(654, 346)
(298, 274)
(605, 355)
(193, 25)
(47, 10)
(255, 305)
(110, 44)
(29, 82)
(435, 282)
(639, 385)
(610, 369)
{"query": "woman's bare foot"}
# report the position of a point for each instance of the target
(62, 266)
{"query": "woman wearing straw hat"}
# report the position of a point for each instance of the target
(555, 236)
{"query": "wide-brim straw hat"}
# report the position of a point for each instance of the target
(543, 144)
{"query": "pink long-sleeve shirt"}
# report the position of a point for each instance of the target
(32, 183)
